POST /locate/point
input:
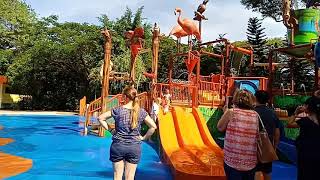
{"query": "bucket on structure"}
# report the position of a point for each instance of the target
(308, 29)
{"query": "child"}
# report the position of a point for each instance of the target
(167, 101)
(155, 109)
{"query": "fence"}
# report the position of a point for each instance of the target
(114, 101)
(181, 94)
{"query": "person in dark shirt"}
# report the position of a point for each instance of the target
(308, 141)
(272, 124)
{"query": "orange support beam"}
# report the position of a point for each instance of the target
(242, 50)
(219, 56)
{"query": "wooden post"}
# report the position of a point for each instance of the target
(197, 84)
(292, 36)
(132, 68)
(190, 42)
(155, 58)
(200, 27)
(170, 69)
(106, 74)
(226, 69)
(292, 75)
(251, 64)
(270, 76)
(155, 52)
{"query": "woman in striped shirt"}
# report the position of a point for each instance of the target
(240, 147)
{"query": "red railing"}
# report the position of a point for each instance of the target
(209, 93)
(181, 94)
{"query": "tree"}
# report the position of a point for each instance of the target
(55, 71)
(58, 63)
(270, 8)
(257, 39)
(16, 21)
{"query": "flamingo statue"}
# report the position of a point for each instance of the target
(188, 25)
(178, 32)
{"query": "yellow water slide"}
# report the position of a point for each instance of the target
(188, 146)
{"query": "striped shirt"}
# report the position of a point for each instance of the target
(240, 147)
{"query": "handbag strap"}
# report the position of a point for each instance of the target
(261, 122)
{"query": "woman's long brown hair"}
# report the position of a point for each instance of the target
(131, 93)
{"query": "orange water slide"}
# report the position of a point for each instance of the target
(188, 146)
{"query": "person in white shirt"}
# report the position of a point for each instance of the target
(167, 98)
(155, 109)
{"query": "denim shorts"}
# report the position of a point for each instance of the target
(129, 152)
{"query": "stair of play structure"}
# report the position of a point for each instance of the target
(188, 146)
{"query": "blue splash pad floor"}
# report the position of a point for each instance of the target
(59, 152)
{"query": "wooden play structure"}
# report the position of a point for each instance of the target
(210, 91)
(107, 101)
(303, 35)
(186, 142)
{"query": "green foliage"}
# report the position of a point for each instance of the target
(241, 44)
(58, 63)
(55, 70)
(275, 42)
(167, 47)
(210, 65)
(269, 8)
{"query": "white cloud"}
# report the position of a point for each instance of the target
(227, 16)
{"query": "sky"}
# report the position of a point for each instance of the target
(225, 16)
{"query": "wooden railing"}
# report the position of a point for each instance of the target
(210, 93)
(94, 107)
(144, 101)
(181, 94)
(83, 106)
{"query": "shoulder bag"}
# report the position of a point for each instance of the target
(265, 149)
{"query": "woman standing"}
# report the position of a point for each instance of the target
(308, 141)
(125, 150)
(240, 145)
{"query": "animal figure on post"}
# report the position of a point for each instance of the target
(201, 9)
(288, 18)
(188, 25)
(136, 41)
